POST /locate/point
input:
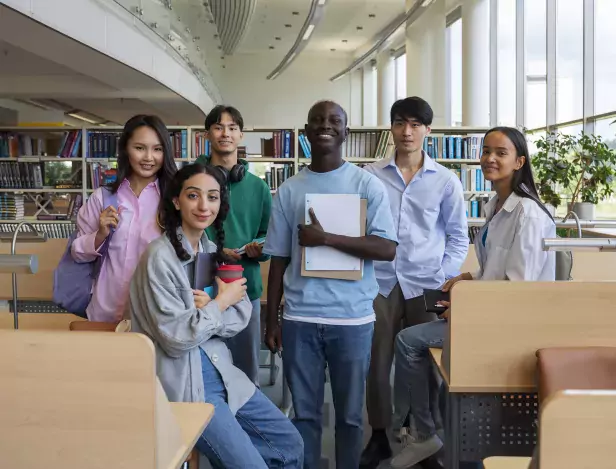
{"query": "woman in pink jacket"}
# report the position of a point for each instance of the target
(145, 168)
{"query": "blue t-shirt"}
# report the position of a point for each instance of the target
(316, 298)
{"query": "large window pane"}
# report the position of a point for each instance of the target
(606, 129)
(536, 63)
(454, 44)
(506, 61)
(605, 56)
(569, 59)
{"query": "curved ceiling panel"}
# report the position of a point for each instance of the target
(232, 20)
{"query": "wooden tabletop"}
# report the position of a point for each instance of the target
(599, 232)
(192, 419)
(437, 354)
(508, 462)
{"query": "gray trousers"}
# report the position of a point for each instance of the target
(246, 345)
(393, 314)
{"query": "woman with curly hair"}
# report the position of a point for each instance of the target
(189, 329)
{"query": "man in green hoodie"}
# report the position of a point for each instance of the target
(250, 201)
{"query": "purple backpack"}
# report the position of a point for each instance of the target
(73, 281)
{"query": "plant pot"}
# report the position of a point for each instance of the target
(584, 210)
(550, 208)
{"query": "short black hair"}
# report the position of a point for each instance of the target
(215, 115)
(412, 108)
(328, 101)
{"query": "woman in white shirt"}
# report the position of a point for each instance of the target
(508, 247)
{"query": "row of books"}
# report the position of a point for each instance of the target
(14, 175)
(472, 179)
(13, 145)
(11, 207)
(474, 208)
(377, 144)
(469, 147)
(53, 230)
(278, 174)
(102, 175)
(106, 144)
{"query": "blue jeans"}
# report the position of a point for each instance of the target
(415, 387)
(307, 349)
(258, 436)
(246, 345)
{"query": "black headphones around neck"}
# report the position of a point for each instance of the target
(236, 174)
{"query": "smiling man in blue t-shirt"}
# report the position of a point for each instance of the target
(326, 322)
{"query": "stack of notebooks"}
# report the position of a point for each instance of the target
(11, 206)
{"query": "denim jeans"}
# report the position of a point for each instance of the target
(415, 386)
(307, 349)
(258, 436)
(246, 345)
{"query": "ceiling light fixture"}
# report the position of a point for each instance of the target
(313, 18)
(81, 118)
(402, 20)
(426, 3)
(308, 32)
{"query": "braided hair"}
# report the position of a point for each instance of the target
(170, 218)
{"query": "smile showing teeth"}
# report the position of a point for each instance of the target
(327, 136)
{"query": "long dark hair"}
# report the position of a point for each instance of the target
(170, 218)
(167, 170)
(523, 182)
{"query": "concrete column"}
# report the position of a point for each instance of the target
(369, 118)
(426, 73)
(386, 86)
(356, 98)
(476, 63)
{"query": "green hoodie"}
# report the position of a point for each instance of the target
(250, 202)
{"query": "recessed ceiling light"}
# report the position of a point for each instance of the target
(271, 47)
(344, 40)
(371, 15)
(295, 13)
(277, 38)
(359, 28)
(288, 25)
(333, 50)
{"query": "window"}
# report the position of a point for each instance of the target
(506, 63)
(569, 60)
(454, 49)
(605, 56)
(535, 25)
(401, 77)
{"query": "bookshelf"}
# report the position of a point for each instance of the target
(88, 156)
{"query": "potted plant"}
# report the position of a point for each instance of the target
(583, 166)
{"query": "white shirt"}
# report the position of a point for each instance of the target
(513, 244)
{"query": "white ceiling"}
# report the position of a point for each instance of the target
(340, 21)
(78, 76)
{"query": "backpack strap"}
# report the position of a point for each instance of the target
(109, 199)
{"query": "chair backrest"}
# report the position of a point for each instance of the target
(83, 400)
(495, 329)
(578, 430)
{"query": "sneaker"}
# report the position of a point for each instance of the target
(416, 451)
(377, 450)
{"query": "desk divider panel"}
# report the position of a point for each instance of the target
(497, 327)
(578, 430)
(85, 400)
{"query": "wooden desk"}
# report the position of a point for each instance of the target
(495, 329)
(437, 355)
(506, 463)
(90, 400)
(599, 232)
(192, 419)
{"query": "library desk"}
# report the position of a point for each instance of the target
(506, 463)
(491, 397)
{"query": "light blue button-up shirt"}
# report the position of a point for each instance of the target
(430, 219)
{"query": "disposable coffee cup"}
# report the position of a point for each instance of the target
(230, 273)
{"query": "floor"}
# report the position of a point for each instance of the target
(275, 394)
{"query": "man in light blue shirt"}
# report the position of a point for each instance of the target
(327, 322)
(429, 212)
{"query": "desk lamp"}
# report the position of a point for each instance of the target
(20, 263)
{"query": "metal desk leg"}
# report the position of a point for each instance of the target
(452, 431)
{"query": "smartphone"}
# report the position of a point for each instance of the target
(432, 297)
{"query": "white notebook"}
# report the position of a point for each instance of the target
(337, 214)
